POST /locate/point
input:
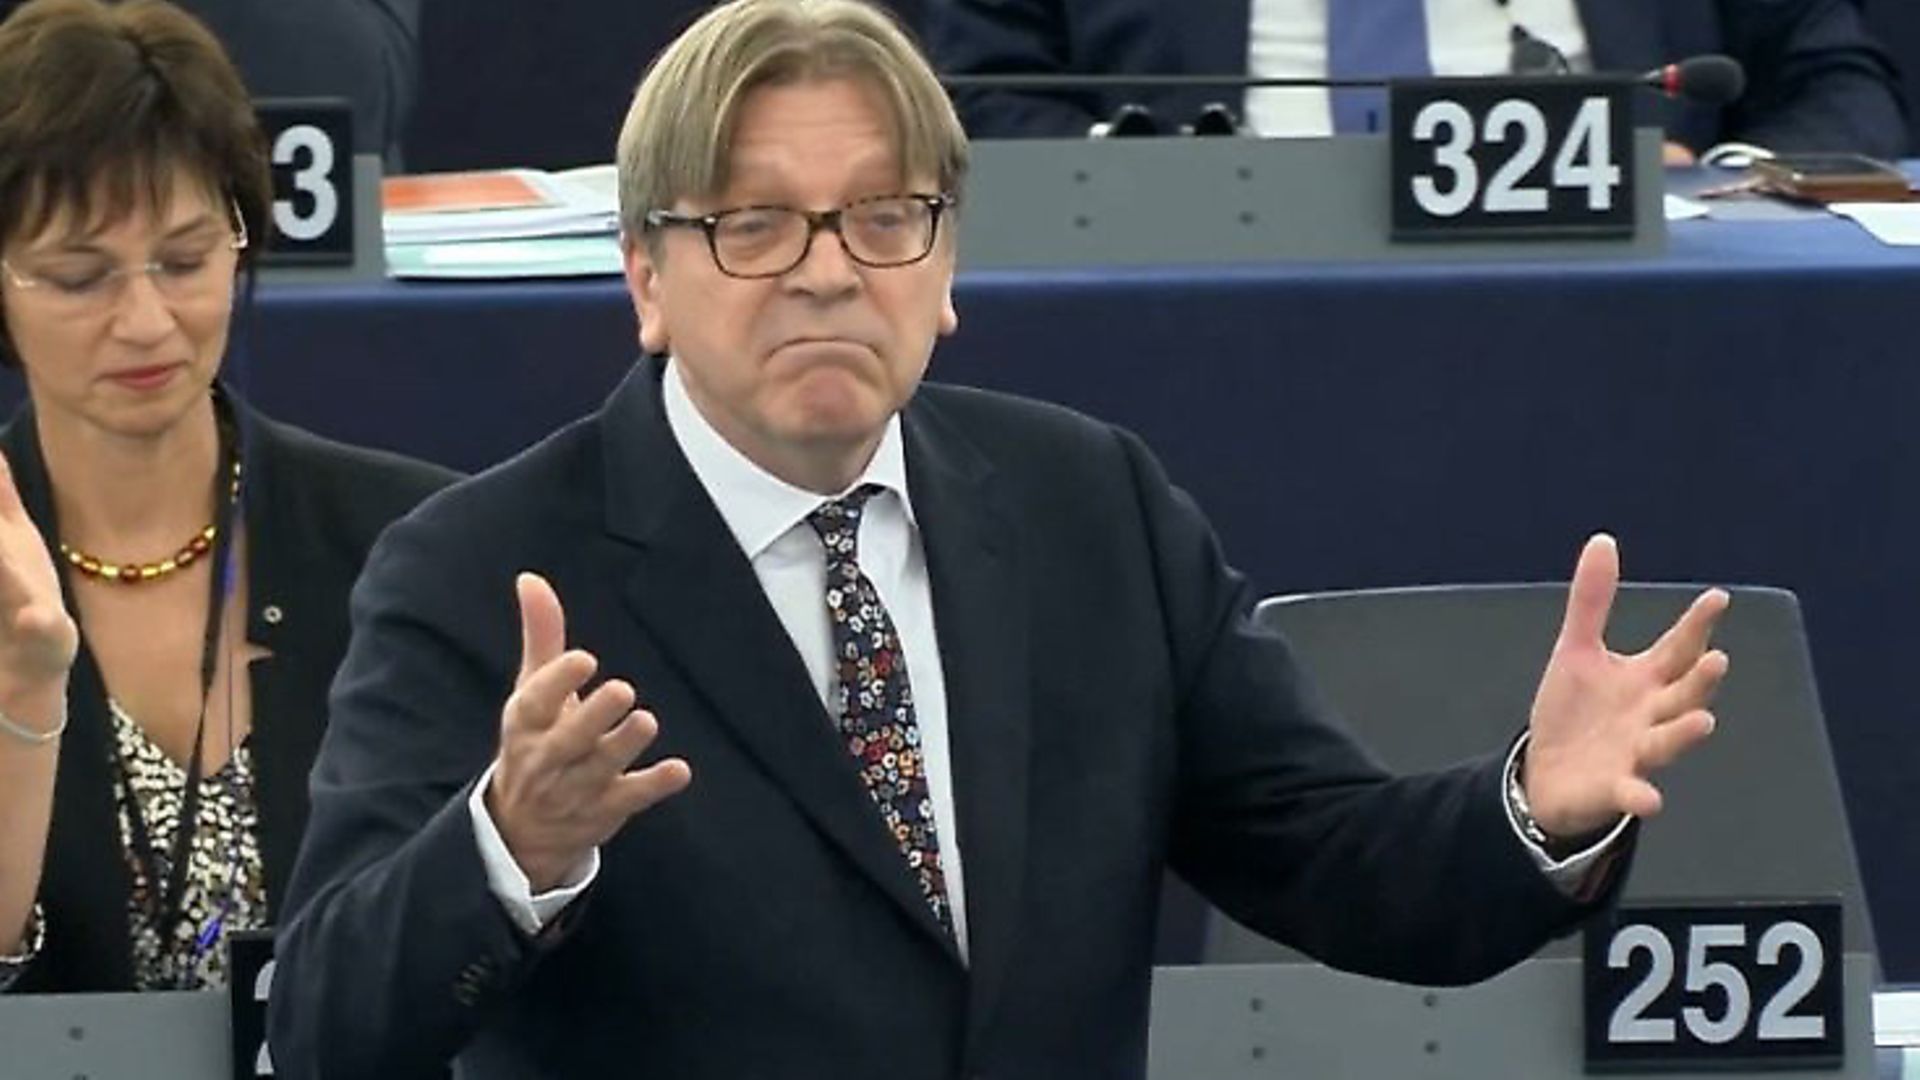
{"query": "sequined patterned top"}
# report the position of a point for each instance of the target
(223, 864)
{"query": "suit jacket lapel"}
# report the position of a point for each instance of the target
(695, 592)
(283, 740)
(979, 602)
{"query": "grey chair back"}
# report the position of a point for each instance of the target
(1430, 676)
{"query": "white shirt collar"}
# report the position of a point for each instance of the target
(758, 506)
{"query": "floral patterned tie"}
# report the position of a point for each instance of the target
(874, 699)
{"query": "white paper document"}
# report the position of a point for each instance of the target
(1896, 1018)
(1677, 208)
(1897, 224)
(549, 256)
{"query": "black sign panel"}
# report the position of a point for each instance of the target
(1694, 988)
(1511, 158)
(250, 971)
(310, 143)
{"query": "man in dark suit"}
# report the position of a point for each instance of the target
(1816, 81)
(937, 683)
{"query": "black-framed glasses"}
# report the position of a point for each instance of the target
(769, 241)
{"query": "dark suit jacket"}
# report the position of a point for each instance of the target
(312, 509)
(366, 51)
(1815, 80)
(1113, 712)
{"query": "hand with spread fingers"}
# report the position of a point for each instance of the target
(38, 638)
(1602, 722)
(563, 782)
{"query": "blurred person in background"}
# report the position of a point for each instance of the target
(366, 51)
(1815, 79)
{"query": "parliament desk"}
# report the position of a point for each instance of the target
(1208, 1023)
(1741, 409)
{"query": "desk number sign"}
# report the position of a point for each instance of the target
(1477, 159)
(1706, 988)
(310, 145)
(250, 975)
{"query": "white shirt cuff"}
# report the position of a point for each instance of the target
(1567, 874)
(509, 883)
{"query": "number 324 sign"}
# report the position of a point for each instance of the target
(1699, 987)
(1512, 158)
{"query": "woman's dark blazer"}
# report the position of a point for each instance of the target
(312, 509)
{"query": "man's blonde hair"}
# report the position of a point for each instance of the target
(678, 135)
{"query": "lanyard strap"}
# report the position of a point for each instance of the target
(166, 906)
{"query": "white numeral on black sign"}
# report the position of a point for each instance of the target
(1504, 193)
(1584, 159)
(1776, 1020)
(1630, 1024)
(313, 176)
(263, 1061)
(1454, 155)
(1705, 974)
(1627, 1024)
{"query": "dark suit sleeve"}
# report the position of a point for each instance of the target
(1009, 37)
(1287, 824)
(366, 51)
(1816, 80)
(395, 944)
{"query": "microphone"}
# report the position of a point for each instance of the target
(1214, 119)
(1712, 79)
(1058, 81)
(1131, 120)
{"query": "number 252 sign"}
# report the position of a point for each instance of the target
(1707, 987)
(1512, 158)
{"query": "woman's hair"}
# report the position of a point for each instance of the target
(103, 107)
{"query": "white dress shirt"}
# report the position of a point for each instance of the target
(1288, 39)
(767, 517)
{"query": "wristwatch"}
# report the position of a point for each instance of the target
(1522, 810)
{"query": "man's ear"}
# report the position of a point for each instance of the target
(643, 286)
(949, 315)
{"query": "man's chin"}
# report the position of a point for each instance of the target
(834, 433)
(836, 411)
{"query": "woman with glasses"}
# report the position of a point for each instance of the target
(174, 567)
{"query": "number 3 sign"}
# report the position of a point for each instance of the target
(1512, 158)
(310, 145)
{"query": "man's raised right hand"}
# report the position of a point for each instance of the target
(562, 781)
